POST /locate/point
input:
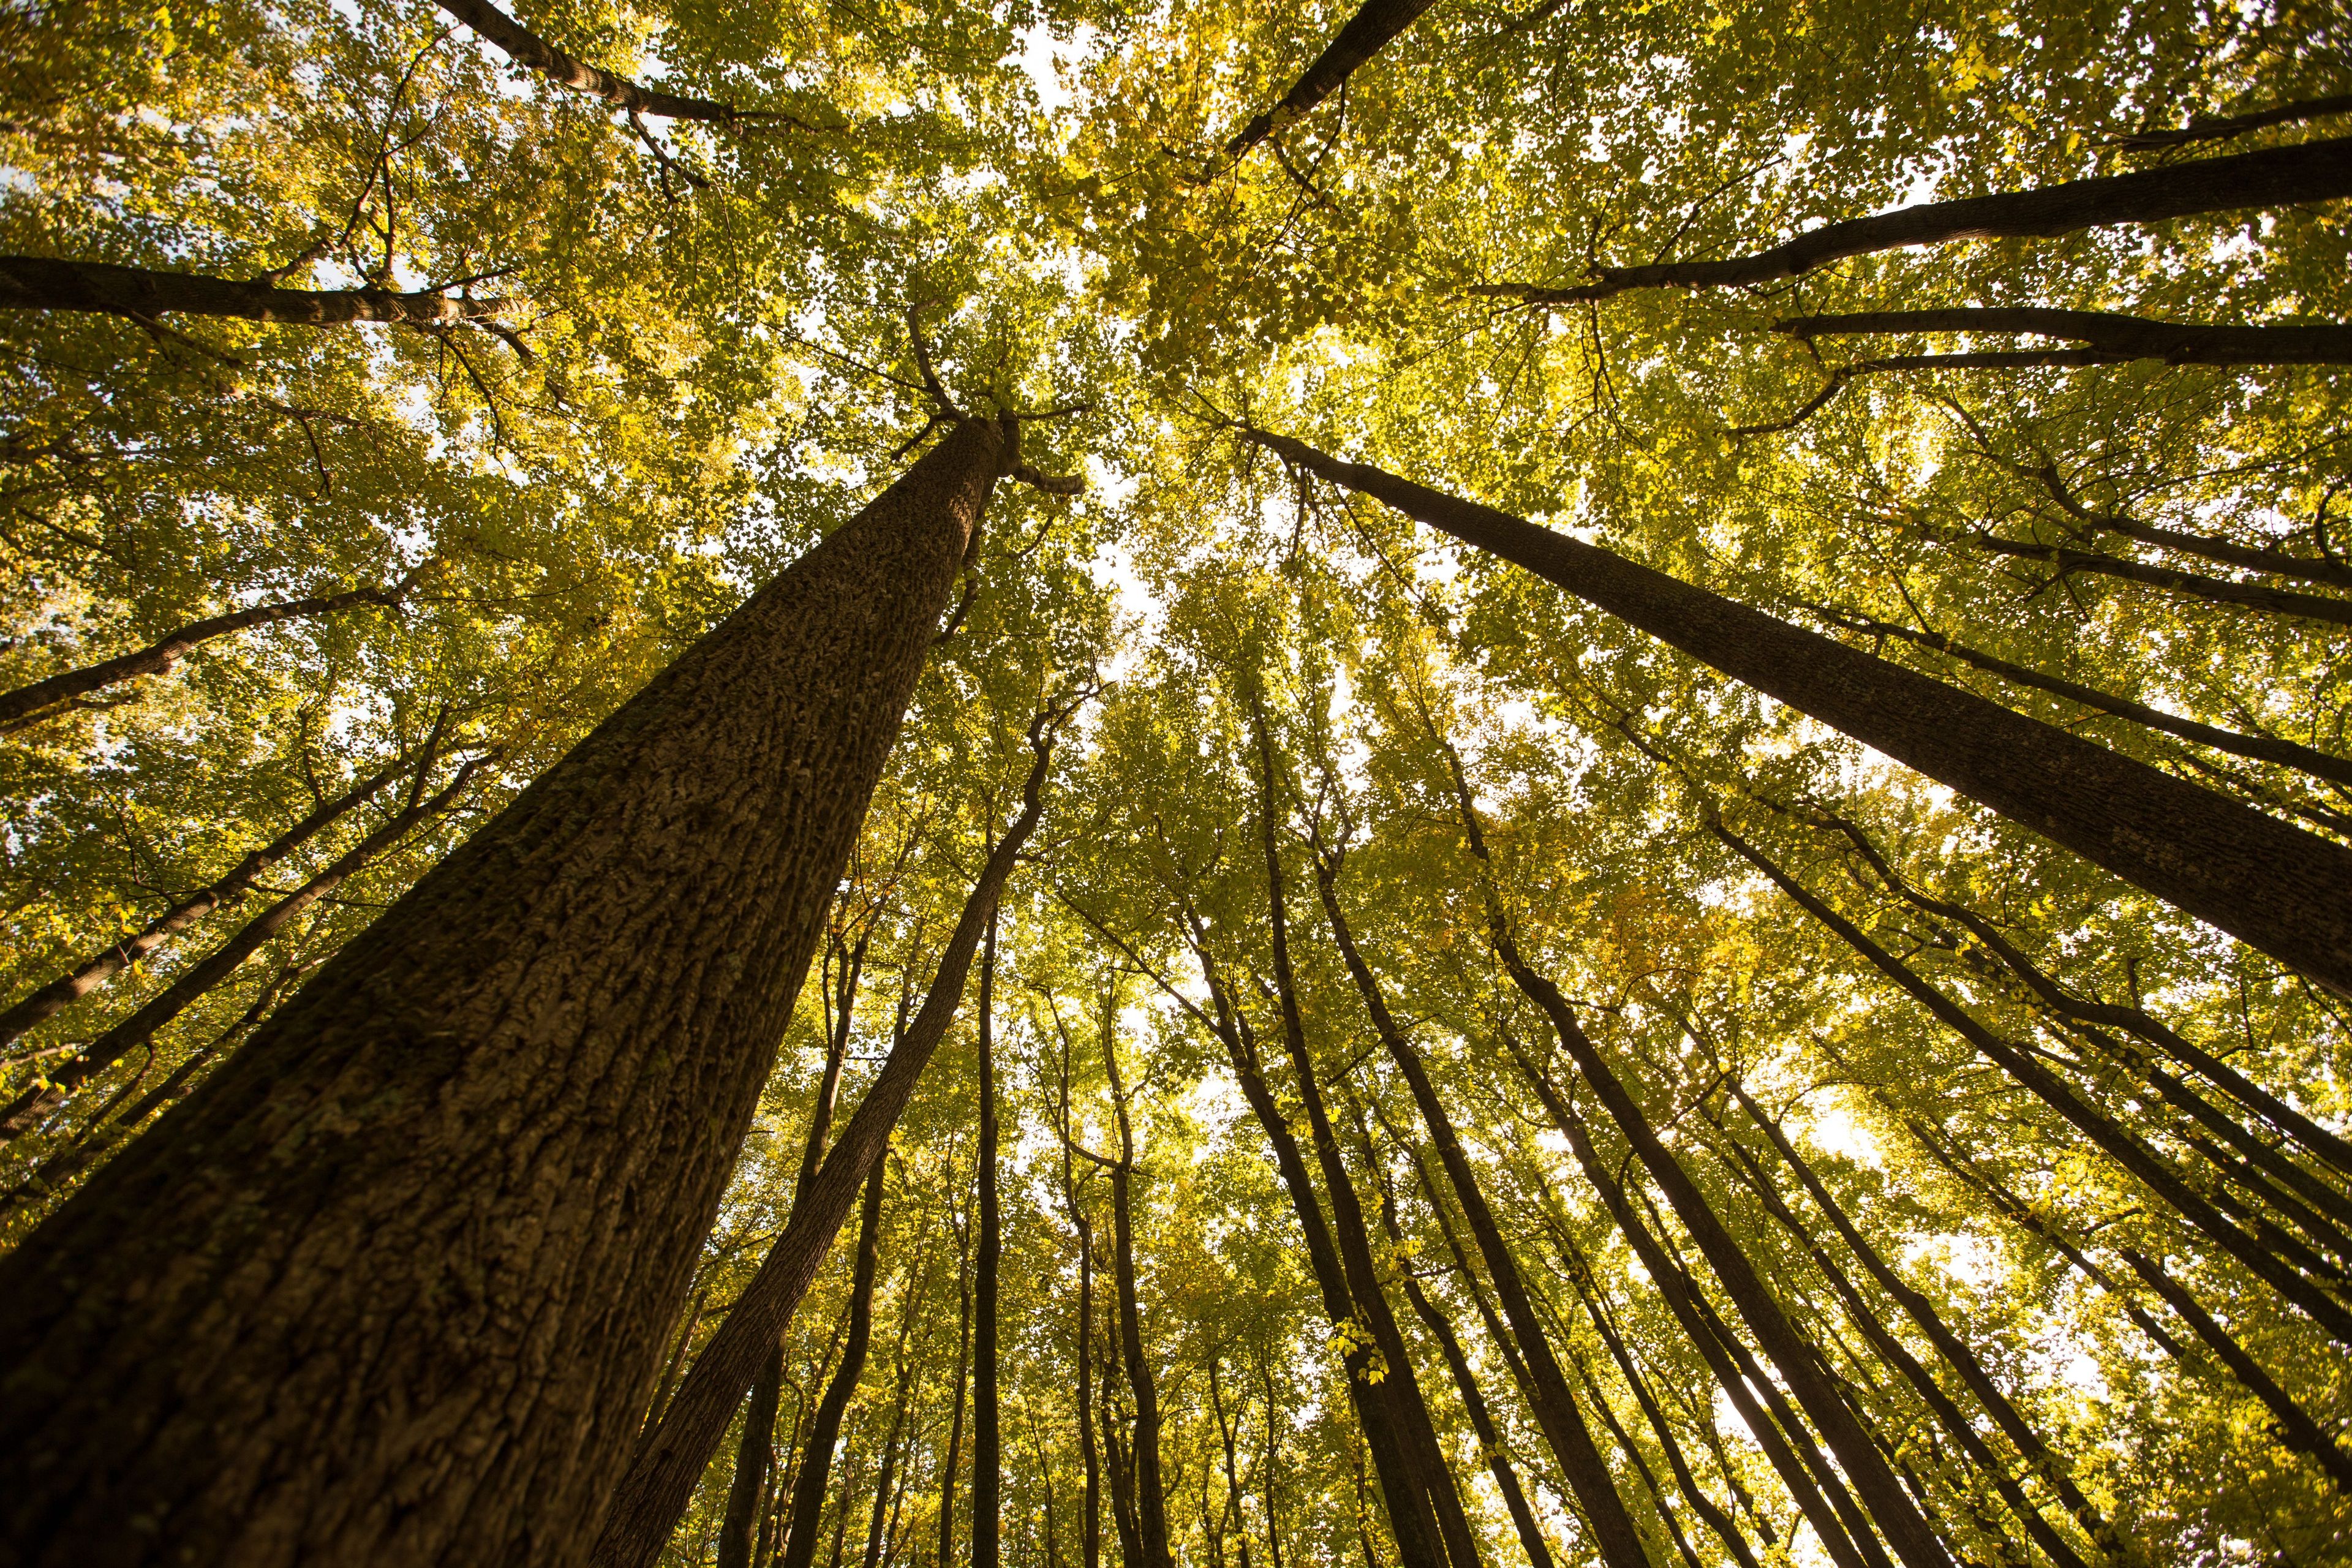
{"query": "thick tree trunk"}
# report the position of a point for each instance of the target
(464, 1173)
(816, 1473)
(2255, 596)
(527, 48)
(2112, 1140)
(2274, 178)
(2124, 338)
(1563, 1424)
(101, 288)
(1401, 1386)
(661, 1476)
(52, 1088)
(1150, 1500)
(987, 1439)
(2273, 887)
(2259, 748)
(98, 968)
(28, 704)
(1364, 36)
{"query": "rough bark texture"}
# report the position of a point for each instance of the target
(99, 967)
(527, 48)
(2124, 338)
(1619, 1544)
(987, 1438)
(2274, 178)
(44, 283)
(1365, 34)
(2272, 886)
(661, 1476)
(29, 703)
(428, 1226)
(816, 1471)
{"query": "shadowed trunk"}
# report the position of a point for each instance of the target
(28, 704)
(1364, 36)
(661, 1477)
(2121, 338)
(1150, 1500)
(2254, 596)
(102, 288)
(528, 49)
(1555, 1407)
(949, 1460)
(98, 968)
(2274, 178)
(816, 1471)
(987, 1439)
(499, 1120)
(2273, 887)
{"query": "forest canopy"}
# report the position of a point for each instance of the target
(1056, 784)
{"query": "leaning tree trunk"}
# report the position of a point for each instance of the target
(816, 1459)
(2273, 887)
(101, 288)
(662, 1475)
(464, 1175)
(987, 1443)
(1365, 34)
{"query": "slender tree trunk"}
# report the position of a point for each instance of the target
(51, 1091)
(1564, 1428)
(2112, 1140)
(1365, 34)
(987, 1451)
(2274, 178)
(954, 1455)
(528, 49)
(357, 1222)
(98, 968)
(1416, 1434)
(2125, 337)
(1121, 1463)
(744, 1493)
(2216, 128)
(2260, 748)
(816, 1459)
(662, 1475)
(1482, 1421)
(1233, 1517)
(2188, 584)
(1150, 1500)
(29, 703)
(2273, 887)
(101, 288)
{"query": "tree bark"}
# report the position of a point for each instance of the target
(464, 1174)
(1416, 1432)
(98, 968)
(816, 1471)
(28, 704)
(2259, 748)
(2216, 128)
(1150, 1500)
(102, 288)
(528, 49)
(2188, 584)
(2273, 886)
(1482, 1421)
(2126, 338)
(52, 1088)
(1619, 1544)
(1364, 36)
(744, 1491)
(2273, 177)
(987, 1440)
(951, 1459)
(661, 1477)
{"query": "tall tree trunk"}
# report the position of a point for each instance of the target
(1587, 1472)
(1090, 1517)
(1365, 34)
(1482, 1421)
(952, 1458)
(2119, 1144)
(1416, 1434)
(816, 1459)
(987, 1443)
(755, 1455)
(662, 1475)
(2272, 886)
(359, 1222)
(100, 967)
(29, 703)
(528, 49)
(101, 288)
(2123, 337)
(51, 1090)
(1150, 1500)
(1233, 1517)
(2188, 584)
(1116, 1459)
(2275, 176)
